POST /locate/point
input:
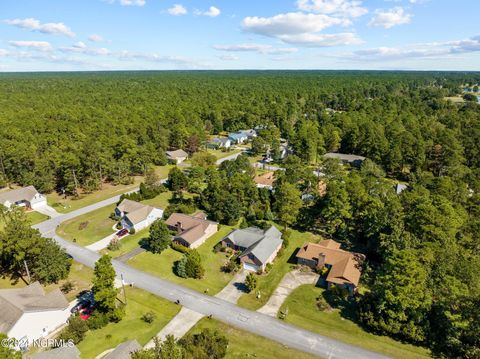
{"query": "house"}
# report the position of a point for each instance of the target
(124, 350)
(344, 268)
(27, 197)
(29, 313)
(265, 181)
(353, 160)
(177, 156)
(218, 142)
(192, 231)
(136, 215)
(258, 247)
(242, 136)
(64, 352)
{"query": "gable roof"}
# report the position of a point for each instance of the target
(127, 205)
(32, 298)
(344, 157)
(192, 227)
(65, 352)
(136, 212)
(259, 243)
(220, 140)
(266, 179)
(124, 350)
(345, 266)
(177, 154)
(20, 194)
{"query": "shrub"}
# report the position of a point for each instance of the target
(232, 265)
(75, 330)
(131, 231)
(97, 320)
(67, 287)
(179, 247)
(218, 247)
(251, 282)
(82, 225)
(268, 267)
(190, 266)
(149, 317)
(114, 244)
(322, 304)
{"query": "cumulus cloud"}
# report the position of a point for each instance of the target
(212, 12)
(132, 2)
(390, 18)
(177, 10)
(226, 57)
(333, 7)
(260, 48)
(46, 28)
(34, 45)
(301, 29)
(96, 38)
(82, 48)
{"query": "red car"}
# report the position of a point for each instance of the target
(85, 313)
(122, 232)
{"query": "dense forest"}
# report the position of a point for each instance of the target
(422, 274)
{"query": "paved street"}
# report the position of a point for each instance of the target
(220, 309)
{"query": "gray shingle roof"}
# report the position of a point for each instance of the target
(59, 353)
(177, 154)
(123, 351)
(344, 157)
(20, 194)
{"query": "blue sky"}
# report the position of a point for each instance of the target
(65, 35)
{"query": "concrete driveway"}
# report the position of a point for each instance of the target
(48, 211)
(291, 281)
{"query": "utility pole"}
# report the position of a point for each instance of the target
(28, 272)
(75, 181)
(123, 288)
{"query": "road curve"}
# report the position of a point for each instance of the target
(254, 322)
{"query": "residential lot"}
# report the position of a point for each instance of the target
(162, 265)
(339, 323)
(131, 326)
(242, 344)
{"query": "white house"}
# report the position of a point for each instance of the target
(220, 142)
(177, 156)
(29, 313)
(137, 215)
(27, 197)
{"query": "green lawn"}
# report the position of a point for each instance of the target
(303, 312)
(161, 265)
(221, 154)
(161, 201)
(131, 326)
(162, 171)
(36, 217)
(129, 243)
(67, 205)
(268, 282)
(80, 276)
(243, 344)
(89, 227)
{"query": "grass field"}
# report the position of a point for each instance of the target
(131, 326)
(129, 243)
(303, 312)
(162, 264)
(80, 276)
(221, 154)
(89, 227)
(160, 201)
(36, 217)
(243, 344)
(281, 266)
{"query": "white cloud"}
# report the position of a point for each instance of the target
(132, 2)
(3, 52)
(390, 18)
(35, 45)
(228, 57)
(333, 7)
(301, 29)
(47, 28)
(177, 10)
(212, 12)
(81, 48)
(260, 48)
(96, 38)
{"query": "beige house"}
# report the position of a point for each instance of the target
(27, 197)
(137, 215)
(177, 156)
(192, 231)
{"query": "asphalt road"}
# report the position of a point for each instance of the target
(220, 309)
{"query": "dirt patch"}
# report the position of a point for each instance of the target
(83, 225)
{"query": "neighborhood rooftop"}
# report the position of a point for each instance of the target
(124, 350)
(15, 302)
(20, 194)
(65, 352)
(191, 228)
(177, 154)
(344, 157)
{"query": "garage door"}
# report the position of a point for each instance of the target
(250, 267)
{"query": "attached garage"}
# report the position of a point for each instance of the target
(250, 267)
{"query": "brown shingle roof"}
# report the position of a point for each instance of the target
(266, 179)
(346, 266)
(192, 228)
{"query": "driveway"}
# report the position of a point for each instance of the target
(102, 243)
(290, 281)
(48, 211)
(235, 288)
(228, 158)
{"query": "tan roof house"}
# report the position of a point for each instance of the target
(344, 267)
(265, 180)
(137, 215)
(192, 231)
(29, 313)
(27, 197)
(177, 156)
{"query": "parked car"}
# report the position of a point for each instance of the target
(85, 313)
(122, 232)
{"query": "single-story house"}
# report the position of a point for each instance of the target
(64, 352)
(192, 231)
(220, 142)
(27, 197)
(265, 180)
(242, 136)
(124, 350)
(177, 156)
(137, 215)
(29, 313)
(353, 160)
(258, 247)
(344, 267)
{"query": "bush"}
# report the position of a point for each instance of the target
(179, 247)
(149, 317)
(131, 231)
(232, 265)
(218, 247)
(190, 266)
(67, 287)
(268, 267)
(114, 245)
(251, 282)
(322, 304)
(75, 330)
(83, 225)
(97, 320)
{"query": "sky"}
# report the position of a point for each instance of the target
(84, 35)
